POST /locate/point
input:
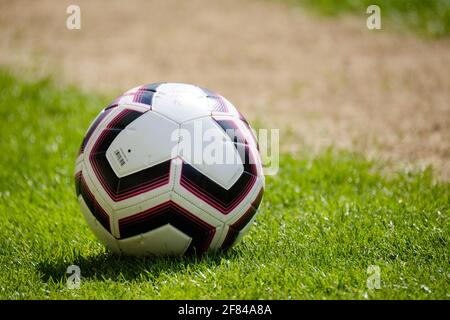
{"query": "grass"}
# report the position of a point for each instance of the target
(323, 221)
(430, 18)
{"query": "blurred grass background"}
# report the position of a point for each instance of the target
(429, 18)
(324, 219)
(326, 216)
(329, 81)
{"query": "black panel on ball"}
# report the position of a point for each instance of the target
(170, 213)
(94, 207)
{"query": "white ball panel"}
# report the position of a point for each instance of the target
(195, 210)
(126, 98)
(145, 142)
(102, 234)
(249, 135)
(194, 152)
(219, 237)
(165, 240)
(118, 205)
(245, 205)
(243, 232)
(256, 158)
(88, 170)
(97, 191)
(232, 215)
(148, 203)
(78, 164)
(180, 102)
(180, 89)
(203, 215)
(104, 123)
(137, 244)
(244, 130)
(231, 109)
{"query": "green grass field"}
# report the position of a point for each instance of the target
(430, 18)
(323, 221)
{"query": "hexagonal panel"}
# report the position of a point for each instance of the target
(180, 102)
(145, 142)
(169, 212)
(206, 147)
(166, 240)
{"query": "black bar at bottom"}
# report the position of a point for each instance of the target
(225, 309)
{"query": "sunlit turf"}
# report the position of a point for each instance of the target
(324, 220)
(430, 18)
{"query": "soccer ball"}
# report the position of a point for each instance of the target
(169, 169)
